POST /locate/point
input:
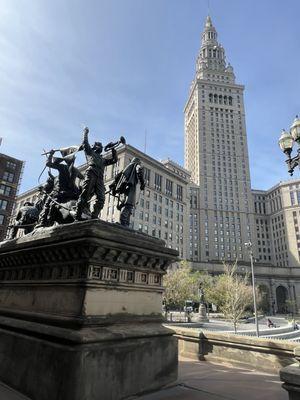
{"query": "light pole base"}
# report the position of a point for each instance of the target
(202, 315)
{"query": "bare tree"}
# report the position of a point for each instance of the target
(231, 293)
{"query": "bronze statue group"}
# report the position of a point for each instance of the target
(72, 196)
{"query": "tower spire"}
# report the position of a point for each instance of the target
(211, 59)
(208, 22)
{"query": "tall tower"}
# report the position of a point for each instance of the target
(216, 154)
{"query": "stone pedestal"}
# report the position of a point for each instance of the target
(80, 313)
(290, 375)
(202, 315)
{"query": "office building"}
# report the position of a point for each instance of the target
(10, 178)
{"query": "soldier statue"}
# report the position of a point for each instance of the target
(125, 185)
(28, 214)
(93, 184)
(64, 190)
(26, 219)
(44, 190)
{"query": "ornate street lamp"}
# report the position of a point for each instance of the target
(286, 142)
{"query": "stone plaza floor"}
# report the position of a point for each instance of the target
(200, 380)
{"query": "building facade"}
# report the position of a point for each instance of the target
(10, 178)
(216, 153)
(277, 218)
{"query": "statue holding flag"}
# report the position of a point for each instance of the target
(124, 188)
(65, 188)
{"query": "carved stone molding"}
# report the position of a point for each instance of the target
(80, 255)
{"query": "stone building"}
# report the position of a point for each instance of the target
(10, 178)
(216, 153)
(277, 213)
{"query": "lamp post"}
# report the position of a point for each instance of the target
(249, 248)
(286, 142)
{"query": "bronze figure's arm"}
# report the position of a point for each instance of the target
(85, 141)
(56, 163)
(113, 159)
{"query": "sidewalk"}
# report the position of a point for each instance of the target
(200, 380)
(7, 393)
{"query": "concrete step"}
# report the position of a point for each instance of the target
(269, 332)
(284, 336)
(7, 393)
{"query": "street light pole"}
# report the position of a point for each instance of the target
(286, 142)
(249, 248)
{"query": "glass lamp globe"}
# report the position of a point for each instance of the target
(286, 142)
(295, 129)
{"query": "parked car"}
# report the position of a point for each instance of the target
(188, 306)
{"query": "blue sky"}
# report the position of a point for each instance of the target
(125, 66)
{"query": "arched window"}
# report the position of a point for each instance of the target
(225, 99)
(215, 98)
(214, 53)
(210, 97)
(220, 99)
(230, 100)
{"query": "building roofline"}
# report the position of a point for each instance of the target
(158, 163)
(169, 160)
(11, 158)
(291, 181)
(134, 150)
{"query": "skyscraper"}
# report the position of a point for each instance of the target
(216, 153)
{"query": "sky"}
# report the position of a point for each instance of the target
(124, 67)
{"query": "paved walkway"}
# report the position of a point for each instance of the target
(200, 380)
(221, 325)
(7, 393)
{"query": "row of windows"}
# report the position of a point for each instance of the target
(145, 215)
(168, 187)
(260, 208)
(293, 196)
(8, 176)
(5, 190)
(220, 99)
(11, 165)
(168, 203)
